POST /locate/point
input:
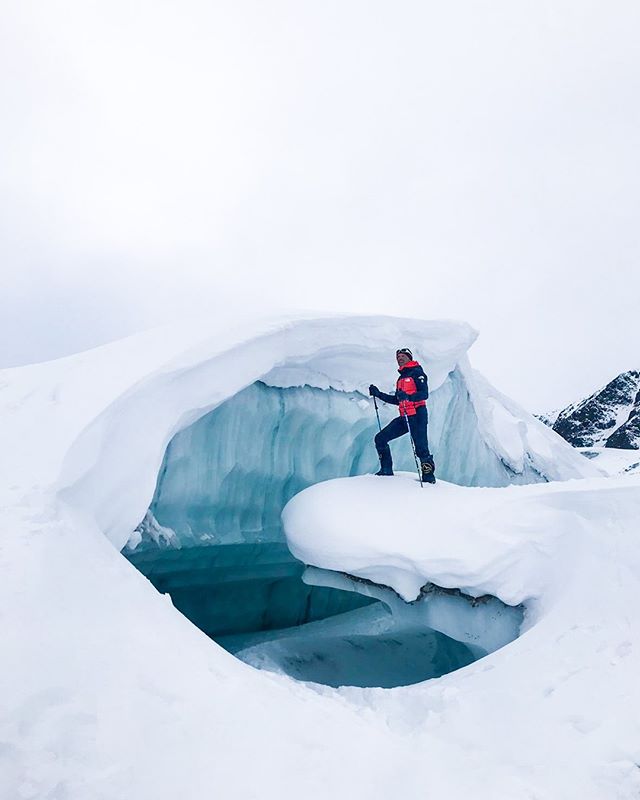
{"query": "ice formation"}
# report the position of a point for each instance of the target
(392, 643)
(344, 354)
(227, 477)
(240, 588)
(100, 673)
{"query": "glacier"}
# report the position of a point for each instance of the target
(175, 385)
(101, 674)
(223, 483)
(227, 477)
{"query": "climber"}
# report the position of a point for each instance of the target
(410, 396)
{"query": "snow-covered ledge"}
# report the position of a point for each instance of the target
(391, 532)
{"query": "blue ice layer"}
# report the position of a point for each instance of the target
(389, 643)
(329, 629)
(241, 588)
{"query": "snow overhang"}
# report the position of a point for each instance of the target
(110, 467)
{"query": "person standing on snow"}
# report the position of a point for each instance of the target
(410, 396)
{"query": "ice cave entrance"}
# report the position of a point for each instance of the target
(212, 540)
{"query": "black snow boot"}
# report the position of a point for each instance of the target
(428, 470)
(386, 465)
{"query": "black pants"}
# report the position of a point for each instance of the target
(398, 427)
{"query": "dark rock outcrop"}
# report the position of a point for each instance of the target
(627, 436)
(608, 418)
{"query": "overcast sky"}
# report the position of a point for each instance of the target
(470, 160)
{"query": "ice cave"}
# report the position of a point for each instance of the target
(230, 466)
(212, 538)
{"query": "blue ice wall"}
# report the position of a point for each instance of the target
(227, 477)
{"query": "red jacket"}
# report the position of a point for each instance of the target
(413, 382)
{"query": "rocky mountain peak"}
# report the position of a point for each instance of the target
(609, 417)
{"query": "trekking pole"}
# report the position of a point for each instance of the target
(415, 455)
(377, 415)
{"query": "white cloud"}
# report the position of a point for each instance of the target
(457, 160)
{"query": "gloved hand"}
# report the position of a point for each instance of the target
(400, 395)
(374, 391)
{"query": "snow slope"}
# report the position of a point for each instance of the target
(107, 692)
(612, 460)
